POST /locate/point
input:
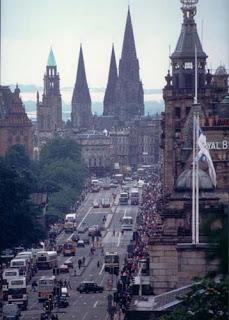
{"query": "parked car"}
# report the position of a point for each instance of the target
(89, 286)
(11, 312)
(80, 243)
(75, 237)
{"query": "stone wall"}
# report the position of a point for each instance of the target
(175, 265)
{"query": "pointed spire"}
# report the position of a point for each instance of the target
(109, 98)
(51, 59)
(128, 48)
(81, 91)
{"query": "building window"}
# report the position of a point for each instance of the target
(176, 66)
(177, 112)
(187, 110)
(188, 65)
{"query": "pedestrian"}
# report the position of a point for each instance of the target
(34, 285)
(79, 263)
(83, 260)
(69, 285)
(113, 233)
(98, 264)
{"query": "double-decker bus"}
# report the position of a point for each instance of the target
(17, 292)
(123, 199)
(46, 260)
(7, 275)
(70, 222)
(111, 261)
(46, 285)
(69, 248)
(134, 196)
(95, 185)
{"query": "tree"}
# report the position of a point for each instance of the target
(207, 300)
(17, 213)
(62, 173)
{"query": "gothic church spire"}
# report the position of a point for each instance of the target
(109, 98)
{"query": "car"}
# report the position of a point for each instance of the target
(68, 263)
(75, 237)
(93, 229)
(64, 268)
(113, 186)
(85, 239)
(96, 204)
(105, 203)
(62, 302)
(106, 186)
(11, 311)
(89, 286)
(80, 243)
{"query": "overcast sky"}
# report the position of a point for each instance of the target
(30, 27)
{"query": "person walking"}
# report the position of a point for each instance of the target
(98, 264)
(79, 263)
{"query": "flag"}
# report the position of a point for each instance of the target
(204, 152)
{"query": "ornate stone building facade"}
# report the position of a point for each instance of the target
(81, 116)
(49, 110)
(15, 126)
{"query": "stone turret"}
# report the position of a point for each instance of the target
(81, 115)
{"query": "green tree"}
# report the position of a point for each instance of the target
(62, 173)
(17, 213)
(207, 300)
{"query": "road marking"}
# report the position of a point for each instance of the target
(95, 304)
(119, 239)
(89, 210)
(85, 316)
(101, 271)
(70, 237)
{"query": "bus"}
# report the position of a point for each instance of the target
(69, 248)
(46, 260)
(17, 292)
(123, 199)
(134, 196)
(46, 287)
(70, 222)
(7, 275)
(24, 266)
(127, 223)
(111, 261)
(95, 185)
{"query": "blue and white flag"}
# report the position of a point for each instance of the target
(204, 152)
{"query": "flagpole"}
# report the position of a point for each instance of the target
(197, 182)
(196, 79)
(193, 180)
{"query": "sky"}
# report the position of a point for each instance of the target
(30, 27)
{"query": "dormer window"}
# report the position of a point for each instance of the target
(200, 65)
(188, 65)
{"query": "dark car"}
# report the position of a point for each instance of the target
(11, 311)
(63, 302)
(89, 286)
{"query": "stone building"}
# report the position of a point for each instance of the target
(174, 259)
(179, 95)
(15, 126)
(49, 110)
(81, 116)
(124, 98)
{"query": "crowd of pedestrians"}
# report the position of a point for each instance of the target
(149, 224)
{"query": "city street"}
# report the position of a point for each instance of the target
(93, 305)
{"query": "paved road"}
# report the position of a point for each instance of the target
(89, 306)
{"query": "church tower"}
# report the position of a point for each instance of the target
(109, 98)
(49, 110)
(81, 115)
(129, 90)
